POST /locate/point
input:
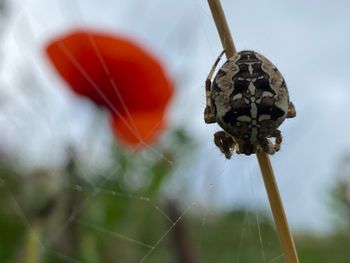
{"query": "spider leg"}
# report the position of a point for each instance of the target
(278, 135)
(225, 143)
(267, 146)
(291, 110)
(209, 116)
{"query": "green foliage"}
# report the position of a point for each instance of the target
(109, 220)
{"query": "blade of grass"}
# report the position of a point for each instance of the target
(284, 234)
(33, 245)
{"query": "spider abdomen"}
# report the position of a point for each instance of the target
(250, 97)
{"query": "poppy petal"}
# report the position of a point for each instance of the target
(118, 75)
(143, 128)
(113, 72)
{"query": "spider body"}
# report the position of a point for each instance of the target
(249, 100)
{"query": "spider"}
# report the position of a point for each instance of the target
(249, 99)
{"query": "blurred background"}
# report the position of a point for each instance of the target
(70, 191)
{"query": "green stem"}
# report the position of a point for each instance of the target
(33, 244)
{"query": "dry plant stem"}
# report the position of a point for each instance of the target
(279, 216)
(182, 246)
(222, 27)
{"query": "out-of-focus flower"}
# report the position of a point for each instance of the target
(118, 75)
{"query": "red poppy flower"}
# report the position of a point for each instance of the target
(118, 75)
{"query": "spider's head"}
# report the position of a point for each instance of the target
(247, 147)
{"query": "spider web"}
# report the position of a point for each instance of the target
(92, 190)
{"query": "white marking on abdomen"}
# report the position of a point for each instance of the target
(250, 68)
(266, 94)
(251, 88)
(253, 110)
(253, 135)
(244, 119)
(237, 96)
(264, 117)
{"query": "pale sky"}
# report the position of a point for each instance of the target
(307, 40)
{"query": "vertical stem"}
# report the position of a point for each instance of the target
(222, 27)
(33, 246)
(276, 204)
(183, 249)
